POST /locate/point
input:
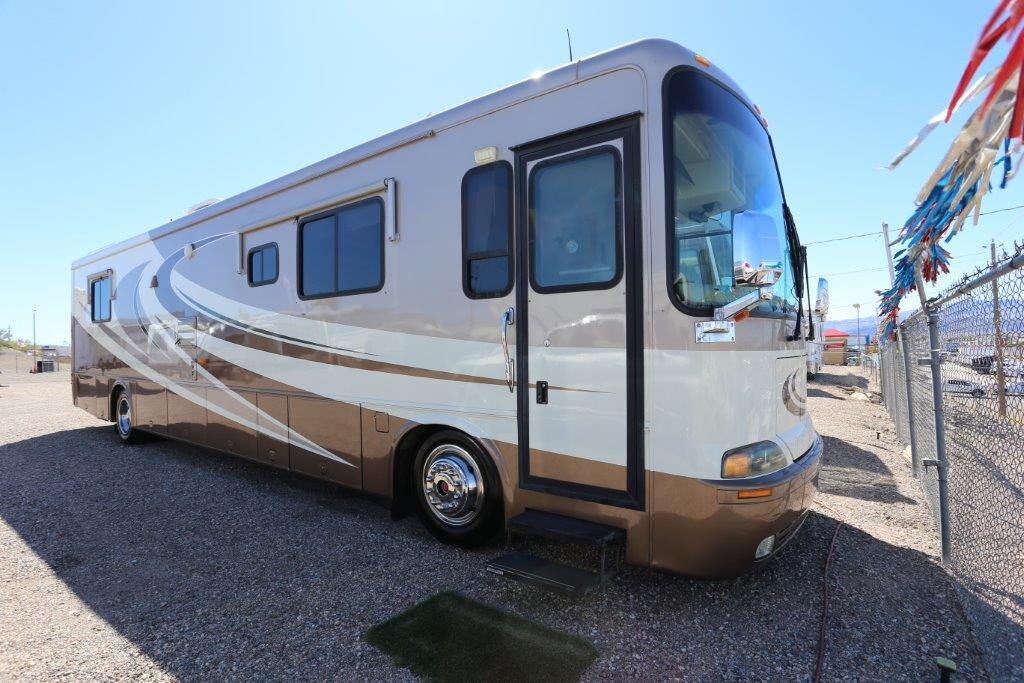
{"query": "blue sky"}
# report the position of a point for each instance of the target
(115, 117)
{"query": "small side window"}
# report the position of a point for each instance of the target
(487, 231)
(263, 265)
(99, 299)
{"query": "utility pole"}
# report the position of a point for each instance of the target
(997, 323)
(860, 353)
(892, 278)
(35, 362)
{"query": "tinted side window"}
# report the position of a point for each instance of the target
(99, 296)
(575, 221)
(317, 255)
(263, 265)
(361, 247)
(487, 230)
(343, 252)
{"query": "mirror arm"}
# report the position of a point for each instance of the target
(734, 308)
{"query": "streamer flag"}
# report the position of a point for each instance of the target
(991, 139)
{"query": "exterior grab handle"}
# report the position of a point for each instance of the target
(508, 318)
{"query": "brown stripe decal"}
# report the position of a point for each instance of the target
(236, 335)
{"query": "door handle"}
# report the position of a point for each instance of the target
(508, 318)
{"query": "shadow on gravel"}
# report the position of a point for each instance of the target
(842, 380)
(818, 393)
(218, 568)
(856, 472)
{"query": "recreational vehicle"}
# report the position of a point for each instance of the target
(816, 328)
(575, 303)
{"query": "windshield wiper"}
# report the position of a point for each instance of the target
(798, 260)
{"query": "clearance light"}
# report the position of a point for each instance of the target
(485, 155)
(753, 493)
(757, 458)
(764, 548)
(702, 60)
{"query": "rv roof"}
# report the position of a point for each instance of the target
(648, 51)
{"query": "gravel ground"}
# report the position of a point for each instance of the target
(165, 561)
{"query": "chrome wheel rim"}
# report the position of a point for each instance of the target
(453, 485)
(124, 416)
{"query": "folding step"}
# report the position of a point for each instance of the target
(563, 528)
(553, 576)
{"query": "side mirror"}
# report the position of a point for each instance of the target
(757, 253)
(756, 262)
(821, 302)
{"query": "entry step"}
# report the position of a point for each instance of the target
(553, 576)
(564, 528)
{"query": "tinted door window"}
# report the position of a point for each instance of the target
(575, 221)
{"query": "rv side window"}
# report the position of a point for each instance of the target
(487, 230)
(263, 265)
(342, 252)
(575, 221)
(99, 298)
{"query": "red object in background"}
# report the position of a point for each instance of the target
(1004, 22)
(839, 336)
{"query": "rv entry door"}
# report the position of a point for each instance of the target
(578, 328)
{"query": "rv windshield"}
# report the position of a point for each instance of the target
(722, 172)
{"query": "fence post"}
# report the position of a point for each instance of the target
(940, 462)
(998, 325)
(914, 461)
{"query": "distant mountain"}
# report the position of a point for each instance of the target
(868, 325)
(965, 316)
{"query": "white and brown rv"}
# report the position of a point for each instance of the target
(580, 295)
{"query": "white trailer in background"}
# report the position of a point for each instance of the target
(816, 342)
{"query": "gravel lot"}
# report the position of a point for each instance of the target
(165, 561)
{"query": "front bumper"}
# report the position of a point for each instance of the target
(704, 529)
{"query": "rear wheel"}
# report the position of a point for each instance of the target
(458, 490)
(977, 393)
(123, 423)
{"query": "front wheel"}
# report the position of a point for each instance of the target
(458, 490)
(123, 419)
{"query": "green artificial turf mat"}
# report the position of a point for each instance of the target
(450, 637)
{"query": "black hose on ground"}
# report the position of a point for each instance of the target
(822, 634)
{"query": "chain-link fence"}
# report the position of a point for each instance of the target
(979, 328)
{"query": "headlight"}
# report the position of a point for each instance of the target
(757, 458)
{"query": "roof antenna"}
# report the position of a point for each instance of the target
(569, 38)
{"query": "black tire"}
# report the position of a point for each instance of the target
(977, 393)
(124, 426)
(453, 460)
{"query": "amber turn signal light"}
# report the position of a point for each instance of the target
(736, 465)
(753, 493)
